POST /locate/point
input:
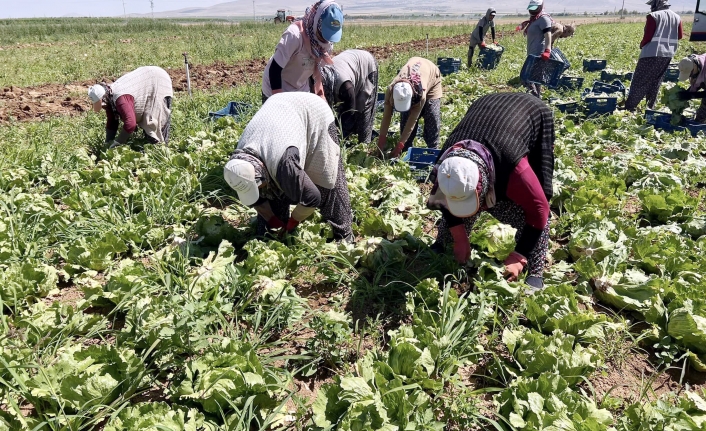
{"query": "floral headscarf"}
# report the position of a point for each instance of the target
(414, 79)
(312, 25)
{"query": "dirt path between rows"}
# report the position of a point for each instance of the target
(47, 100)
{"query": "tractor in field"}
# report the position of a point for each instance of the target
(283, 16)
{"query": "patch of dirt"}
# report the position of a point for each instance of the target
(48, 100)
(70, 295)
(632, 205)
(633, 379)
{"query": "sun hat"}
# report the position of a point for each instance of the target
(686, 69)
(535, 4)
(240, 176)
(402, 95)
(96, 93)
(332, 23)
(458, 179)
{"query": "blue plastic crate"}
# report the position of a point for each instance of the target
(570, 82)
(600, 105)
(545, 72)
(594, 65)
(556, 54)
(669, 127)
(234, 109)
(380, 102)
(568, 107)
(695, 128)
(448, 65)
(604, 87)
(656, 117)
(448, 61)
(610, 76)
(421, 161)
(672, 73)
(489, 58)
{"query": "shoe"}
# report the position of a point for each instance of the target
(438, 248)
(535, 283)
(348, 239)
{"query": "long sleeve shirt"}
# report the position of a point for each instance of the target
(525, 190)
(295, 184)
(125, 106)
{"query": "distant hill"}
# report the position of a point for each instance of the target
(266, 8)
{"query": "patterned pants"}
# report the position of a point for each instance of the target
(509, 213)
(701, 113)
(646, 81)
(532, 88)
(431, 112)
(335, 205)
(167, 124)
(472, 43)
(361, 123)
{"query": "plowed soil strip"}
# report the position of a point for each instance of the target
(42, 101)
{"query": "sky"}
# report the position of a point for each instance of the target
(59, 8)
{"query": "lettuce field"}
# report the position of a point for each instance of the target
(135, 297)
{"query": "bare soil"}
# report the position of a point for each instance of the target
(48, 100)
(632, 380)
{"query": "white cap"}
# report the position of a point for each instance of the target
(535, 4)
(240, 176)
(458, 179)
(402, 95)
(96, 93)
(686, 69)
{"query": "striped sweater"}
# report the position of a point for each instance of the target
(511, 126)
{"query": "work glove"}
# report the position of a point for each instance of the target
(110, 135)
(382, 141)
(482, 45)
(685, 95)
(514, 264)
(546, 54)
(398, 150)
(689, 95)
(462, 248)
(274, 223)
(114, 144)
(292, 224)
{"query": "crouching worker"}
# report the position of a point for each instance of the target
(141, 98)
(351, 87)
(505, 169)
(289, 155)
(415, 92)
(693, 69)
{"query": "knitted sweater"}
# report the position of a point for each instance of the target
(298, 120)
(148, 86)
(356, 65)
(511, 126)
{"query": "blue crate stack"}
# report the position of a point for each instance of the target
(448, 65)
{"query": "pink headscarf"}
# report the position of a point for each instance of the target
(308, 26)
